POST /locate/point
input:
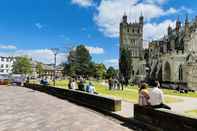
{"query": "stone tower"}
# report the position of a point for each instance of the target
(131, 39)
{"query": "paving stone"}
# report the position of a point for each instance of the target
(23, 109)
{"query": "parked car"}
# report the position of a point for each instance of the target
(4, 79)
(17, 79)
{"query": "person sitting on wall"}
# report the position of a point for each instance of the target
(73, 85)
(91, 89)
(157, 97)
(81, 85)
(69, 83)
(144, 97)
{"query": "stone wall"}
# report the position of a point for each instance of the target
(159, 120)
(90, 100)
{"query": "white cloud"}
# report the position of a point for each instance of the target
(83, 3)
(39, 25)
(42, 55)
(95, 50)
(9, 47)
(156, 1)
(156, 31)
(186, 10)
(110, 12)
(112, 62)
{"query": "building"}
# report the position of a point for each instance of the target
(6, 64)
(131, 40)
(48, 70)
(172, 59)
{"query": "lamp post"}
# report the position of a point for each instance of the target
(55, 52)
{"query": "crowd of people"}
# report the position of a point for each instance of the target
(154, 98)
(81, 85)
(115, 84)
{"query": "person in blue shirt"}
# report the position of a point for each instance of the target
(90, 88)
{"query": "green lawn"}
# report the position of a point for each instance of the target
(175, 93)
(130, 93)
(192, 113)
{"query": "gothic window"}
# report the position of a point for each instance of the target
(167, 72)
(180, 73)
(128, 30)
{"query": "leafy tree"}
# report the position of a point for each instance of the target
(22, 65)
(79, 61)
(100, 71)
(125, 65)
(111, 72)
(69, 69)
(39, 69)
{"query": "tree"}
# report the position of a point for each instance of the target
(22, 65)
(111, 72)
(100, 71)
(79, 61)
(125, 65)
(39, 69)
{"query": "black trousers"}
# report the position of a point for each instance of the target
(162, 106)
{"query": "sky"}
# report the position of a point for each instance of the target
(33, 27)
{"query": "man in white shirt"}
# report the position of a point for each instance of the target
(157, 97)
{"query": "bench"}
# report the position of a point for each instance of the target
(162, 120)
(96, 101)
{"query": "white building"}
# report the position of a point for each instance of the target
(6, 64)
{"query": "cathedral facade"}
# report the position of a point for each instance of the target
(171, 59)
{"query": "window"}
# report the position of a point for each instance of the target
(7, 59)
(2, 66)
(128, 30)
(2, 59)
(7, 65)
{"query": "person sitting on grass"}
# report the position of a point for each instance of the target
(143, 95)
(157, 97)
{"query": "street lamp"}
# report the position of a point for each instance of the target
(55, 52)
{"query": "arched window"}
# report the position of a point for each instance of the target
(180, 73)
(167, 72)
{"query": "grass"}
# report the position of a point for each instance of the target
(175, 93)
(192, 113)
(129, 93)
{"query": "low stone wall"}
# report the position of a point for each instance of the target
(160, 120)
(99, 102)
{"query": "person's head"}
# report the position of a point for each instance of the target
(143, 86)
(90, 83)
(156, 84)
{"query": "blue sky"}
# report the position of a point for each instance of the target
(32, 27)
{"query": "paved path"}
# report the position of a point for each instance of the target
(23, 109)
(187, 104)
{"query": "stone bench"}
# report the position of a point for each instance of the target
(162, 120)
(96, 101)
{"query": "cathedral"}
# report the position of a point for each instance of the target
(172, 59)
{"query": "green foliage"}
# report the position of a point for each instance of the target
(22, 65)
(100, 71)
(39, 69)
(111, 72)
(125, 65)
(79, 62)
